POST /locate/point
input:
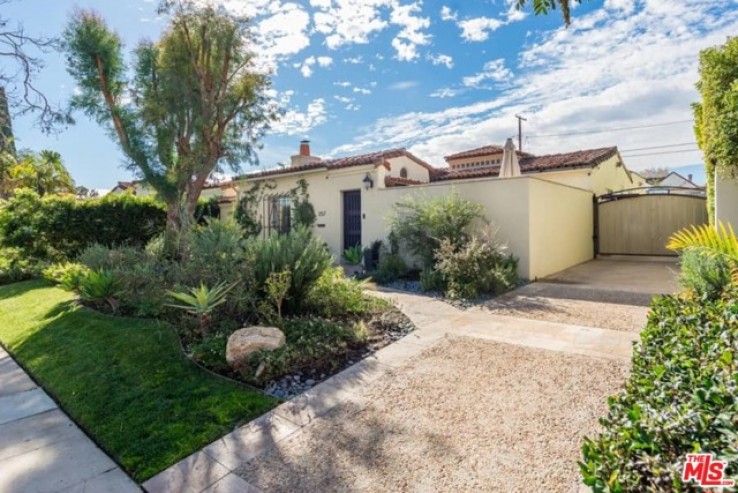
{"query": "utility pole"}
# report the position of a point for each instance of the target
(520, 131)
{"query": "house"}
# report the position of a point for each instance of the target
(545, 215)
(337, 189)
(597, 170)
(224, 193)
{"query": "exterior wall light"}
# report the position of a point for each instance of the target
(368, 182)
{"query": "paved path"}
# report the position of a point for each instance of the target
(214, 469)
(42, 450)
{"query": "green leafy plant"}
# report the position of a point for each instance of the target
(276, 287)
(201, 301)
(680, 398)
(336, 295)
(432, 280)
(298, 252)
(389, 268)
(68, 275)
(704, 273)
(210, 352)
(100, 286)
(421, 223)
(720, 239)
(16, 266)
(353, 255)
(476, 267)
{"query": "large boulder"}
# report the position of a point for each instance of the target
(246, 341)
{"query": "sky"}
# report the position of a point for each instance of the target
(435, 77)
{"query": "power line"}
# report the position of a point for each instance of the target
(665, 152)
(618, 129)
(658, 147)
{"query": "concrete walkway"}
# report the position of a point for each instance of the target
(42, 450)
(212, 469)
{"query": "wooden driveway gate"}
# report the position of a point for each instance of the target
(638, 223)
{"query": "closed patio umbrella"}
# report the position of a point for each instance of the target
(510, 166)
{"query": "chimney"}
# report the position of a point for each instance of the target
(689, 177)
(304, 148)
(303, 157)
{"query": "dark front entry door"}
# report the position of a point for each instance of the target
(351, 218)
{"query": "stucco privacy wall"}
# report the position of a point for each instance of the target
(726, 200)
(561, 227)
(505, 203)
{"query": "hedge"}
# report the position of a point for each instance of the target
(681, 397)
(59, 227)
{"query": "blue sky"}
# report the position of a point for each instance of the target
(436, 76)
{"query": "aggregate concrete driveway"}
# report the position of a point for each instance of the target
(611, 294)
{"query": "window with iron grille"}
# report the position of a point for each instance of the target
(279, 214)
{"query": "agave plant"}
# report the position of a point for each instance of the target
(201, 301)
(100, 286)
(352, 255)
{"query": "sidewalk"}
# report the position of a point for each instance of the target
(42, 450)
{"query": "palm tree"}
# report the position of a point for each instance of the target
(545, 6)
(44, 172)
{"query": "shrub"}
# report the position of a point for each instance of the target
(210, 352)
(334, 295)
(59, 227)
(216, 253)
(389, 268)
(704, 273)
(420, 224)
(15, 266)
(476, 267)
(432, 280)
(353, 255)
(310, 344)
(67, 274)
(99, 287)
(298, 252)
(680, 398)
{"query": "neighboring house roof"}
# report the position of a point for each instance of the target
(535, 164)
(378, 158)
(481, 151)
(680, 180)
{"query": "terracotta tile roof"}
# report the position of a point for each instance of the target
(394, 181)
(481, 151)
(536, 164)
(377, 158)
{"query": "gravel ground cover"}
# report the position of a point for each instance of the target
(616, 310)
(466, 415)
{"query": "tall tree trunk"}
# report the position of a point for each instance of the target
(173, 233)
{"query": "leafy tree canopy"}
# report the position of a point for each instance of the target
(193, 105)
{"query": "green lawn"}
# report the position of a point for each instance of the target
(123, 380)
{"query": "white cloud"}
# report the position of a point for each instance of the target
(361, 90)
(355, 60)
(343, 99)
(296, 122)
(493, 70)
(411, 35)
(444, 92)
(441, 59)
(403, 85)
(479, 28)
(284, 33)
(324, 61)
(447, 14)
(611, 68)
(306, 67)
(348, 21)
(342, 83)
